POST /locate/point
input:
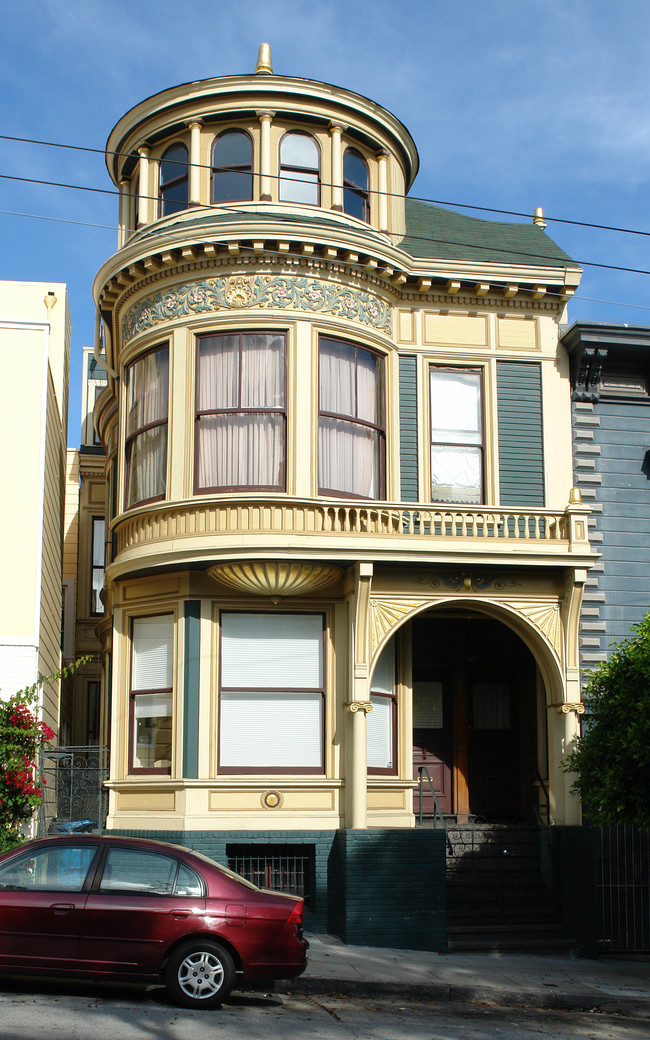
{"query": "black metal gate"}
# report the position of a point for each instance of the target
(623, 888)
(74, 798)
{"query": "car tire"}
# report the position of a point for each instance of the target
(200, 974)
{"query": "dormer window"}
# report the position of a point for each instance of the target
(232, 167)
(174, 180)
(356, 200)
(299, 169)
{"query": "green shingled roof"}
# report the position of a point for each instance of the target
(442, 234)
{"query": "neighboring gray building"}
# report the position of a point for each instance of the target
(610, 369)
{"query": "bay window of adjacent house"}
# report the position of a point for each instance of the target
(240, 431)
(271, 693)
(232, 167)
(351, 434)
(174, 180)
(456, 435)
(152, 658)
(147, 397)
(299, 169)
(382, 720)
(356, 198)
(97, 564)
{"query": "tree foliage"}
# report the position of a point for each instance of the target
(22, 739)
(612, 758)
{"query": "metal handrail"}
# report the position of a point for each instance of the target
(437, 812)
(538, 778)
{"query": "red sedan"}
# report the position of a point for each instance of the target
(143, 910)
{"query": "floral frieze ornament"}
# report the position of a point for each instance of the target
(262, 291)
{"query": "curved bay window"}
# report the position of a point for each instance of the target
(356, 198)
(232, 167)
(351, 434)
(147, 397)
(174, 189)
(299, 169)
(240, 430)
(456, 435)
(152, 659)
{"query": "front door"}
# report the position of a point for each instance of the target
(493, 749)
(432, 743)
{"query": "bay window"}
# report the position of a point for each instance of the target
(240, 428)
(382, 720)
(147, 398)
(456, 435)
(351, 435)
(152, 659)
(271, 693)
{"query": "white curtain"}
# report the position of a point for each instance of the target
(237, 448)
(147, 402)
(349, 454)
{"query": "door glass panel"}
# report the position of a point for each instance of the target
(491, 706)
(427, 705)
(131, 870)
(61, 869)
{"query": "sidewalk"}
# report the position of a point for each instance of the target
(610, 985)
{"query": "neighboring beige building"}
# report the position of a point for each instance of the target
(343, 540)
(35, 346)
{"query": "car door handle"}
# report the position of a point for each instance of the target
(180, 913)
(62, 908)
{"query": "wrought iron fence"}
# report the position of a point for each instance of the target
(623, 889)
(74, 798)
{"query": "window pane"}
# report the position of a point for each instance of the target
(282, 651)
(153, 642)
(383, 677)
(262, 371)
(299, 150)
(369, 387)
(218, 372)
(234, 148)
(232, 186)
(174, 163)
(349, 458)
(380, 733)
(61, 869)
(153, 731)
(337, 385)
(355, 171)
(148, 466)
(131, 870)
(491, 706)
(456, 474)
(240, 451)
(355, 203)
(427, 705)
(270, 729)
(174, 198)
(299, 186)
(456, 407)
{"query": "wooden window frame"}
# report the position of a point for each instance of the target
(232, 167)
(290, 168)
(130, 439)
(172, 182)
(134, 694)
(480, 371)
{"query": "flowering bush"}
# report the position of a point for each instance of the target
(22, 738)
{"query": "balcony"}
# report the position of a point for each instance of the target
(209, 529)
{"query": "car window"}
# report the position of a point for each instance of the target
(134, 870)
(62, 868)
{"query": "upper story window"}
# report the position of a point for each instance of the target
(356, 199)
(97, 564)
(299, 169)
(456, 435)
(152, 662)
(240, 430)
(232, 167)
(174, 180)
(147, 397)
(351, 434)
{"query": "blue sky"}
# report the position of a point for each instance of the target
(512, 104)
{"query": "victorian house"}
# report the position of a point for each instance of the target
(346, 557)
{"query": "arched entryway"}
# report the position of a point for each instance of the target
(475, 715)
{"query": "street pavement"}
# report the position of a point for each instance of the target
(608, 984)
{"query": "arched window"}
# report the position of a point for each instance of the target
(173, 180)
(356, 200)
(299, 169)
(232, 167)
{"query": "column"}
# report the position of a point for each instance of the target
(144, 201)
(383, 192)
(123, 213)
(195, 163)
(336, 133)
(265, 118)
(358, 706)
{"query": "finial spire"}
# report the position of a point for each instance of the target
(264, 64)
(538, 217)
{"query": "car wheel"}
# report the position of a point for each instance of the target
(200, 974)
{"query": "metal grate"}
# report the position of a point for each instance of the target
(623, 887)
(283, 868)
(74, 797)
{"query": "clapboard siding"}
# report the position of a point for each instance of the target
(408, 429)
(521, 454)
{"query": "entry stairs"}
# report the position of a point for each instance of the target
(497, 897)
